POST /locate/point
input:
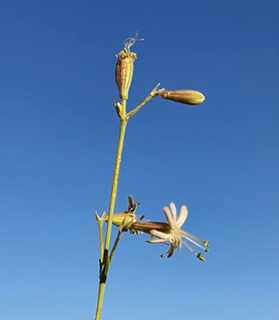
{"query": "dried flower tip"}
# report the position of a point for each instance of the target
(124, 72)
(132, 205)
(183, 96)
(129, 42)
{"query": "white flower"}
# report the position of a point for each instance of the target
(174, 236)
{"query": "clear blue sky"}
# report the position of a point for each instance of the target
(58, 134)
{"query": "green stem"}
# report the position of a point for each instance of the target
(105, 259)
(104, 263)
(115, 244)
(123, 124)
(152, 94)
(100, 226)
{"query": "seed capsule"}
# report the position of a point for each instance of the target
(184, 96)
(124, 72)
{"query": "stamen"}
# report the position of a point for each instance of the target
(199, 256)
(195, 243)
(190, 248)
(194, 237)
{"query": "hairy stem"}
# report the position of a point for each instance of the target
(105, 262)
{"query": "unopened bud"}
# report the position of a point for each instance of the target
(184, 96)
(124, 72)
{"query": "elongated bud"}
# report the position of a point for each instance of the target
(184, 96)
(124, 72)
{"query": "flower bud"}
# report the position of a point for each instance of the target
(124, 72)
(183, 96)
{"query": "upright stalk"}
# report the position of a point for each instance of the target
(105, 257)
(105, 262)
(123, 78)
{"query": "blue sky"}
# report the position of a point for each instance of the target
(58, 135)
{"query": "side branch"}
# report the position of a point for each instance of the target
(152, 94)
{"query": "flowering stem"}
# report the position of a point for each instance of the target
(115, 243)
(105, 257)
(152, 94)
(123, 124)
(105, 262)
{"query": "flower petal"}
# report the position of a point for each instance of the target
(173, 211)
(159, 234)
(169, 217)
(156, 241)
(182, 216)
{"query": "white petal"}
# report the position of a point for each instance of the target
(182, 216)
(156, 241)
(159, 234)
(173, 211)
(169, 217)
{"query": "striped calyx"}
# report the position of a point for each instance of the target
(124, 72)
(184, 96)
